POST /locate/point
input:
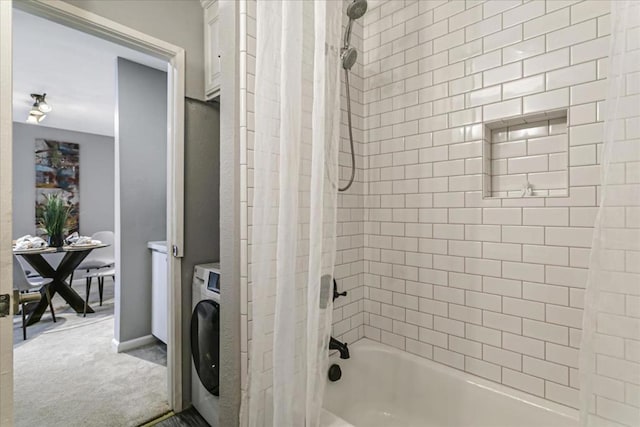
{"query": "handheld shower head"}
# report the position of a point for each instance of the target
(356, 9)
(349, 58)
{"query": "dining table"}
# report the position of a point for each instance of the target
(73, 256)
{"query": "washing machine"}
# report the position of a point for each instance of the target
(205, 341)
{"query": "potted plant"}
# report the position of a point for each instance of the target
(54, 218)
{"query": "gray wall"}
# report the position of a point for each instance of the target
(96, 177)
(201, 205)
(178, 22)
(141, 183)
(230, 232)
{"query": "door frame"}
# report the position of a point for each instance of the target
(6, 262)
(90, 23)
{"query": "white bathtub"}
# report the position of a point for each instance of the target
(384, 387)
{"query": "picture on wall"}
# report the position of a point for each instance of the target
(58, 171)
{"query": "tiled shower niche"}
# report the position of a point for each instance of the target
(526, 156)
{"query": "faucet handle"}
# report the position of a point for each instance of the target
(337, 294)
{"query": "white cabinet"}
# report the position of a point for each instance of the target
(159, 290)
(211, 49)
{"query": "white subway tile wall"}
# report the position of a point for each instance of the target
(490, 286)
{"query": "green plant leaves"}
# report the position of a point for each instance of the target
(54, 216)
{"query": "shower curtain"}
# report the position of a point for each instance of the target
(292, 233)
(610, 347)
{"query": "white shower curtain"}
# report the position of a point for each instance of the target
(292, 233)
(610, 347)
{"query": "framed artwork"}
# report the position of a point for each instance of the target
(58, 171)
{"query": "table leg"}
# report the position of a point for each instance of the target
(68, 264)
(40, 306)
(70, 296)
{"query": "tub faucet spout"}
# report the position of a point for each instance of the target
(334, 344)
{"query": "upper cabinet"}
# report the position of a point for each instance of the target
(211, 49)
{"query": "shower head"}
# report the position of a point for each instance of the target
(356, 9)
(349, 57)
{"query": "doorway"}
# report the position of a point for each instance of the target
(93, 24)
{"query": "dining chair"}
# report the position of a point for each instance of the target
(27, 286)
(99, 274)
(26, 268)
(98, 258)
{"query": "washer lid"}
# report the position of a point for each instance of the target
(205, 344)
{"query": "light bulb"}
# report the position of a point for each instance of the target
(35, 111)
(35, 119)
(44, 107)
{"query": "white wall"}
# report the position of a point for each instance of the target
(178, 22)
(141, 186)
(490, 286)
(96, 177)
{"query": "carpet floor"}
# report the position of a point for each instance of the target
(66, 374)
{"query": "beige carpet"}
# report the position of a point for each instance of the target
(66, 373)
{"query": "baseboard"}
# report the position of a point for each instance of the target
(122, 346)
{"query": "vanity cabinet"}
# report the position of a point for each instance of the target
(211, 49)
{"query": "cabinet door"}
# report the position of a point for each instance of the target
(159, 292)
(212, 56)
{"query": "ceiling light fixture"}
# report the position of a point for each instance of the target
(39, 108)
(40, 102)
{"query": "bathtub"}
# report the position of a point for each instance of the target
(382, 386)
